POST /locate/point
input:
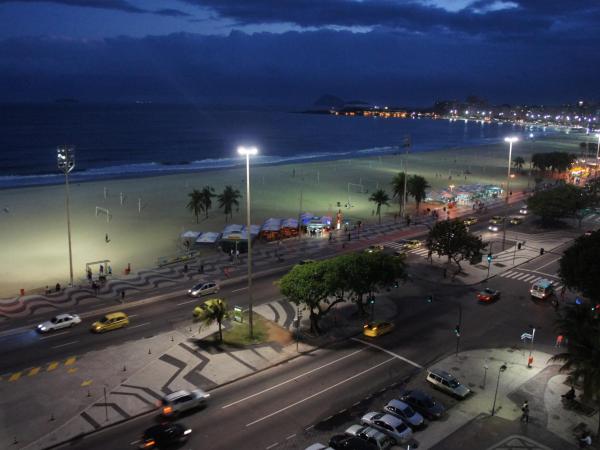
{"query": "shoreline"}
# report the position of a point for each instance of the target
(35, 236)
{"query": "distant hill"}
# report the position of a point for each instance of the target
(329, 101)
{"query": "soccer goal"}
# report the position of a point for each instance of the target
(100, 210)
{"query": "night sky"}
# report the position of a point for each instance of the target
(289, 52)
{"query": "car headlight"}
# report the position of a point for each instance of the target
(42, 328)
(186, 432)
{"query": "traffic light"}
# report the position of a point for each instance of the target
(541, 251)
(372, 300)
(396, 284)
(429, 298)
(490, 257)
(457, 330)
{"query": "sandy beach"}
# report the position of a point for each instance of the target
(33, 220)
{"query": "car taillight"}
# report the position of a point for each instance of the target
(167, 410)
(150, 443)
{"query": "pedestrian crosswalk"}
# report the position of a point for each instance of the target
(531, 277)
(421, 251)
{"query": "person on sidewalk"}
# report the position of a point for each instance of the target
(123, 296)
(525, 411)
(559, 341)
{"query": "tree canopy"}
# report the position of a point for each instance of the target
(558, 203)
(379, 197)
(398, 193)
(417, 189)
(228, 199)
(451, 238)
(195, 203)
(553, 161)
(580, 266)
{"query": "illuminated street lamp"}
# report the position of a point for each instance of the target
(510, 141)
(65, 158)
(247, 152)
(598, 150)
(502, 369)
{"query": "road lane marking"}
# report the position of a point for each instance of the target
(185, 303)
(395, 355)
(132, 315)
(15, 376)
(65, 344)
(70, 361)
(272, 445)
(240, 289)
(551, 262)
(316, 394)
(292, 379)
(140, 325)
(54, 335)
(33, 371)
(291, 436)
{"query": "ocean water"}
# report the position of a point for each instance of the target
(149, 139)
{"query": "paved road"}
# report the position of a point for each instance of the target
(292, 402)
(28, 348)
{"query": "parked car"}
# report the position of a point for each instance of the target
(109, 322)
(59, 322)
(488, 295)
(372, 435)
(180, 401)
(318, 446)
(470, 221)
(374, 329)
(405, 412)
(165, 435)
(390, 425)
(204, 288)
(202, 308)
(423, 403)
(447, 383)
(516, 220)
(345, 442)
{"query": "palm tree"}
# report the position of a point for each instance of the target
(518, 162)
(380, 197)
(206, 196)
(417, 188)
(580, 327)
(398, 190)
(216, 311)
(227, 199)
(195, 203)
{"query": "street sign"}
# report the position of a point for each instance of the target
(526, 336)
(238, 314)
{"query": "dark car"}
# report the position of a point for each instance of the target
(345, 442)
(165, 435)
(424, 404)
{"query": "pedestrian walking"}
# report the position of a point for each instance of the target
(559, 340)
(101, 269)
(185, 268)
(57, 287)
(562, 293)
(47, 290)
(202, 268)
(122, 295)
(89, 274)
(106, 239)
(109, 269)
(525, 412)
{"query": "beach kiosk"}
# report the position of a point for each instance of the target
(207, 238)
(270, 230)
(289, 228)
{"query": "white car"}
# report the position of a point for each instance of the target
(390, 425)
(405, 412)
(523, 211)
(493, 228)
(204, 288)
(59, 322)
(180, 401)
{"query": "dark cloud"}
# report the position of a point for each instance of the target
(483, 17)
(294, 68)
(115, 5)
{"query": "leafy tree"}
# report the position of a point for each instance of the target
(306, 285)
(580, 266)
(379, 197)
(206, 195)
(367, 272)
(195, 203)
(216, 311)
(228, 199)
(580, 326)
(558, 203)
(398, 190)
(417, 188)
(553, 161)
(518, 162)
(452, 239)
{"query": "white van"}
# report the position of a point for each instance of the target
(542, 289)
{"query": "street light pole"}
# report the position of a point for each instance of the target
(502, 369)
(65, 157)
(598, 150)
(247, 151)
(510, 141)
(458, 327)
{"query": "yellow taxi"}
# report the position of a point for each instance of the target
(374, 329)
(470, 221)
(110, 322)
(202, 308)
